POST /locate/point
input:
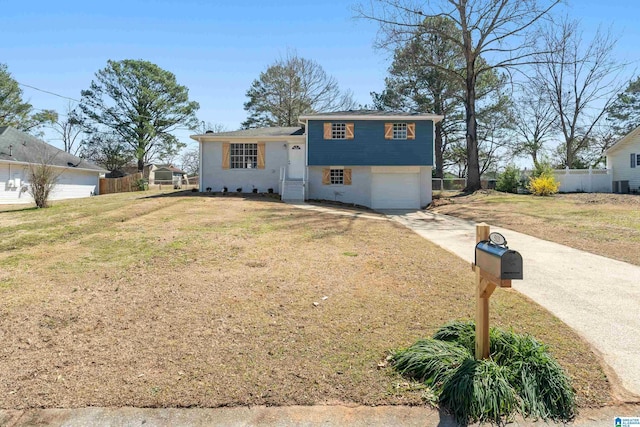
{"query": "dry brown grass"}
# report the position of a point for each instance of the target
(199, 301)
(603, 224)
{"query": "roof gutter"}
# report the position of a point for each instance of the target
(205, 138)
(434, 117)
(14, 162)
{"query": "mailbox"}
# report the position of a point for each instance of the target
(499, 260)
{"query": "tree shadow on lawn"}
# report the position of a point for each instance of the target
(6, 211)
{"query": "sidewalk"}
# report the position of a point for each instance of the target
(282, 416)
(596, 296)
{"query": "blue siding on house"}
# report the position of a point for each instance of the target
(369, 148)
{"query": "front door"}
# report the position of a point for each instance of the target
(295, 169)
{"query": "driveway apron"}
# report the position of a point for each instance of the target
(596, 296)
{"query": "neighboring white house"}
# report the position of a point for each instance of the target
(623, 158)
(18, 151)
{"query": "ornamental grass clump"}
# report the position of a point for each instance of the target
(520, 375)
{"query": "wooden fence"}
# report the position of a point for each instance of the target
(120, 185)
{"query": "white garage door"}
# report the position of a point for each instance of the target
(395, 191)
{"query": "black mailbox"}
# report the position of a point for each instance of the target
(499, 261)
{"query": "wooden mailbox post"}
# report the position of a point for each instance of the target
(487, 279)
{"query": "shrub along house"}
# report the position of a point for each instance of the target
(19, 151)
(378, 159)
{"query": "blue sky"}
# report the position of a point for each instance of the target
(218, 48)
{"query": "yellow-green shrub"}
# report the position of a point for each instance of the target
(544, 185)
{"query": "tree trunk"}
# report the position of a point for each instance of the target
(438, 148)
(140, 165)
(473, 163)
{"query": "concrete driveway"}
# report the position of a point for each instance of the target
(596, 296)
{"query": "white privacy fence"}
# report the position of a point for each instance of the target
(584, 180)
(571, 181)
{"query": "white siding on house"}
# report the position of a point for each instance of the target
(71, 184)
(426, 190)
(212, 175)
(359, 192)
(13, 194)
(619, 160)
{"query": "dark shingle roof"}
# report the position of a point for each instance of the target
(29, 149)
(261, 132)
(348, 113)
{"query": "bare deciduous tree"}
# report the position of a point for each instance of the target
(496, 30)
(580, 80)
(70, 127)
(533, 124)
(293, 86)
(190, 160)
(43, 177)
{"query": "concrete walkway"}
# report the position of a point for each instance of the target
(596, 296)
(280, 416)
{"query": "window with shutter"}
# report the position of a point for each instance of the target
(633, 160)
(336, 176)
(338, 130)
(400, 131)
(243, 156)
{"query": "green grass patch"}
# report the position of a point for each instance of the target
(519, 377)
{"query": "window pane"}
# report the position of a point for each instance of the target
(338, 130)
(399, 131)
(244, 156)
(337, 176)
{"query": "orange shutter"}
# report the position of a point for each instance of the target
(388, 131)
(226, 155)
(347, 177)
(349, 128)
(327, 130)
(411, 131)
(260, 155)
(326, 176)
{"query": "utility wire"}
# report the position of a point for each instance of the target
(49, 92)
(75, 100)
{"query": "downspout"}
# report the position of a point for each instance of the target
(305, 175)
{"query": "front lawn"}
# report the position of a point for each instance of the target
(126, 300)
(603, 224)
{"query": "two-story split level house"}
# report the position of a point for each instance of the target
(378, 159)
